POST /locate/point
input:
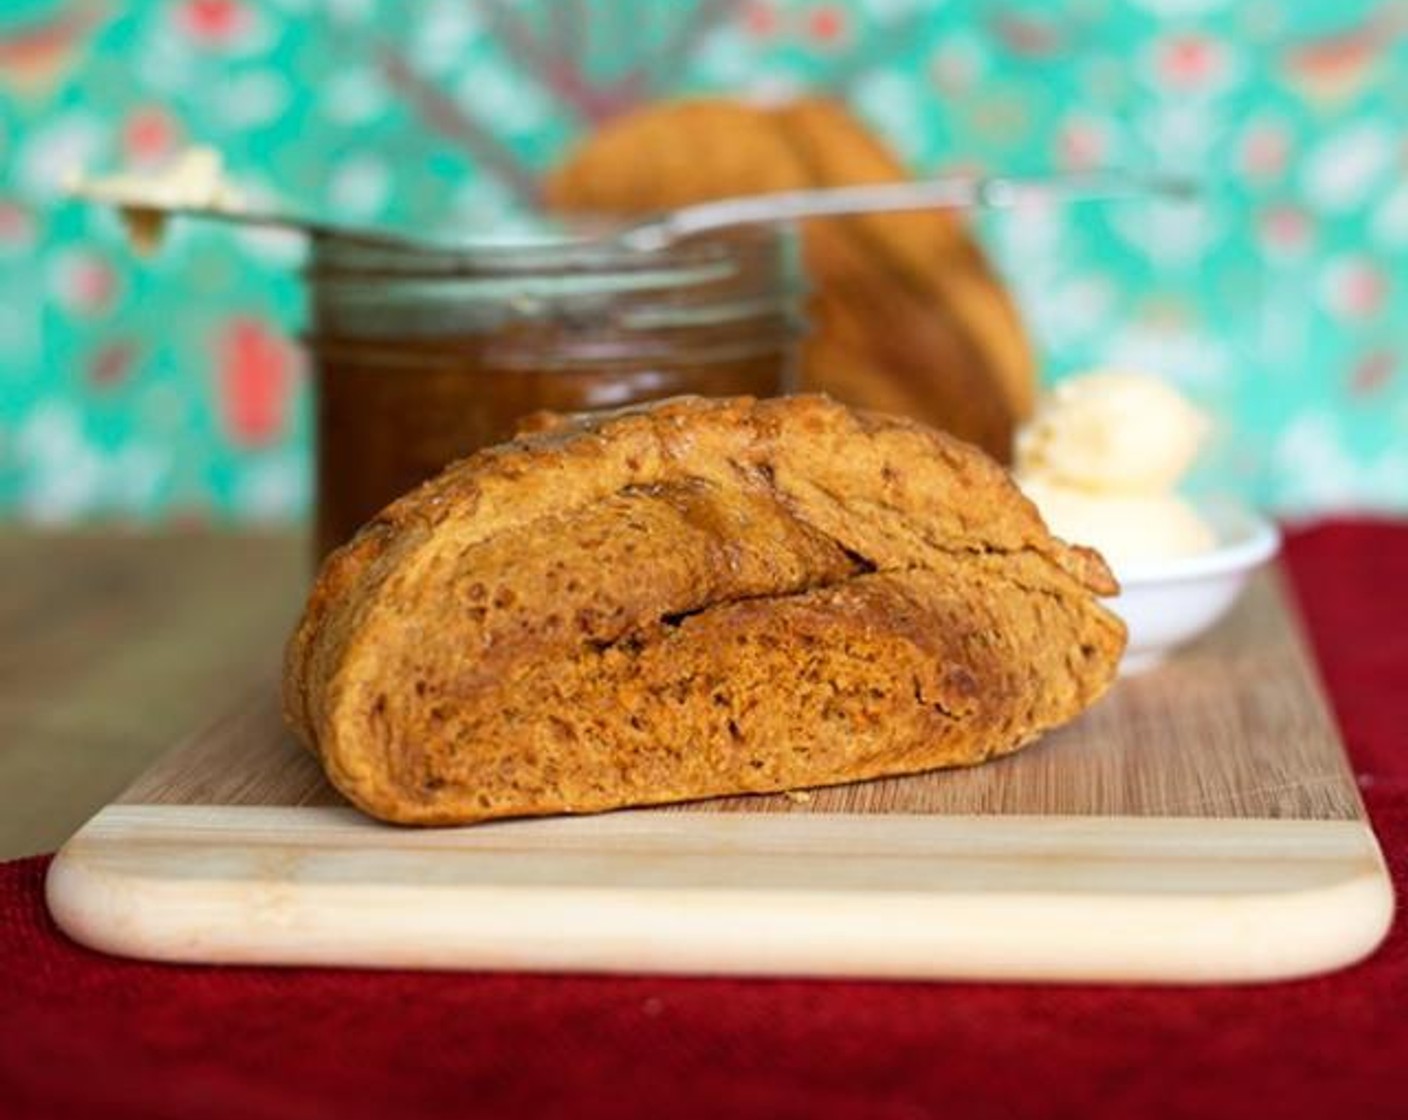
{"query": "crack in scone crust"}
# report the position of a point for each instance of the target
(691, 599)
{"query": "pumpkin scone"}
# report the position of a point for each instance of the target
(906, 314)
(690, 599)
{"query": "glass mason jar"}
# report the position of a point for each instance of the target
(420, 358)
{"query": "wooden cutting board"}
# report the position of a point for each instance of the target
(1201, 823)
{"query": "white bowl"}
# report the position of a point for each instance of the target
(1167, 603)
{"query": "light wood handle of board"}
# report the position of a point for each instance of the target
(1076, 898)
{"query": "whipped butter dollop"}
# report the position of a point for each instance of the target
(1102, 459)
(192, 179)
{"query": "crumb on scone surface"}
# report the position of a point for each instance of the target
(691, 599)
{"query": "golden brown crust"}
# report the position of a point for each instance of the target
(689, 599)
(907, 316)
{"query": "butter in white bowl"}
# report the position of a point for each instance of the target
(1116, 431)
(1102, 459)
(1167, 603)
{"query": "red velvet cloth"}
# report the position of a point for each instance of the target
(81, 1034)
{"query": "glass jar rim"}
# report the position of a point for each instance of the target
(582, 248)
(568, 275)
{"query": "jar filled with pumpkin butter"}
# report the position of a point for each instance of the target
(421, 357)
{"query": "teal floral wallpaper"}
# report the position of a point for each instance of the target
(174, 387)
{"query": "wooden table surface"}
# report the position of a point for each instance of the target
(112, 647)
